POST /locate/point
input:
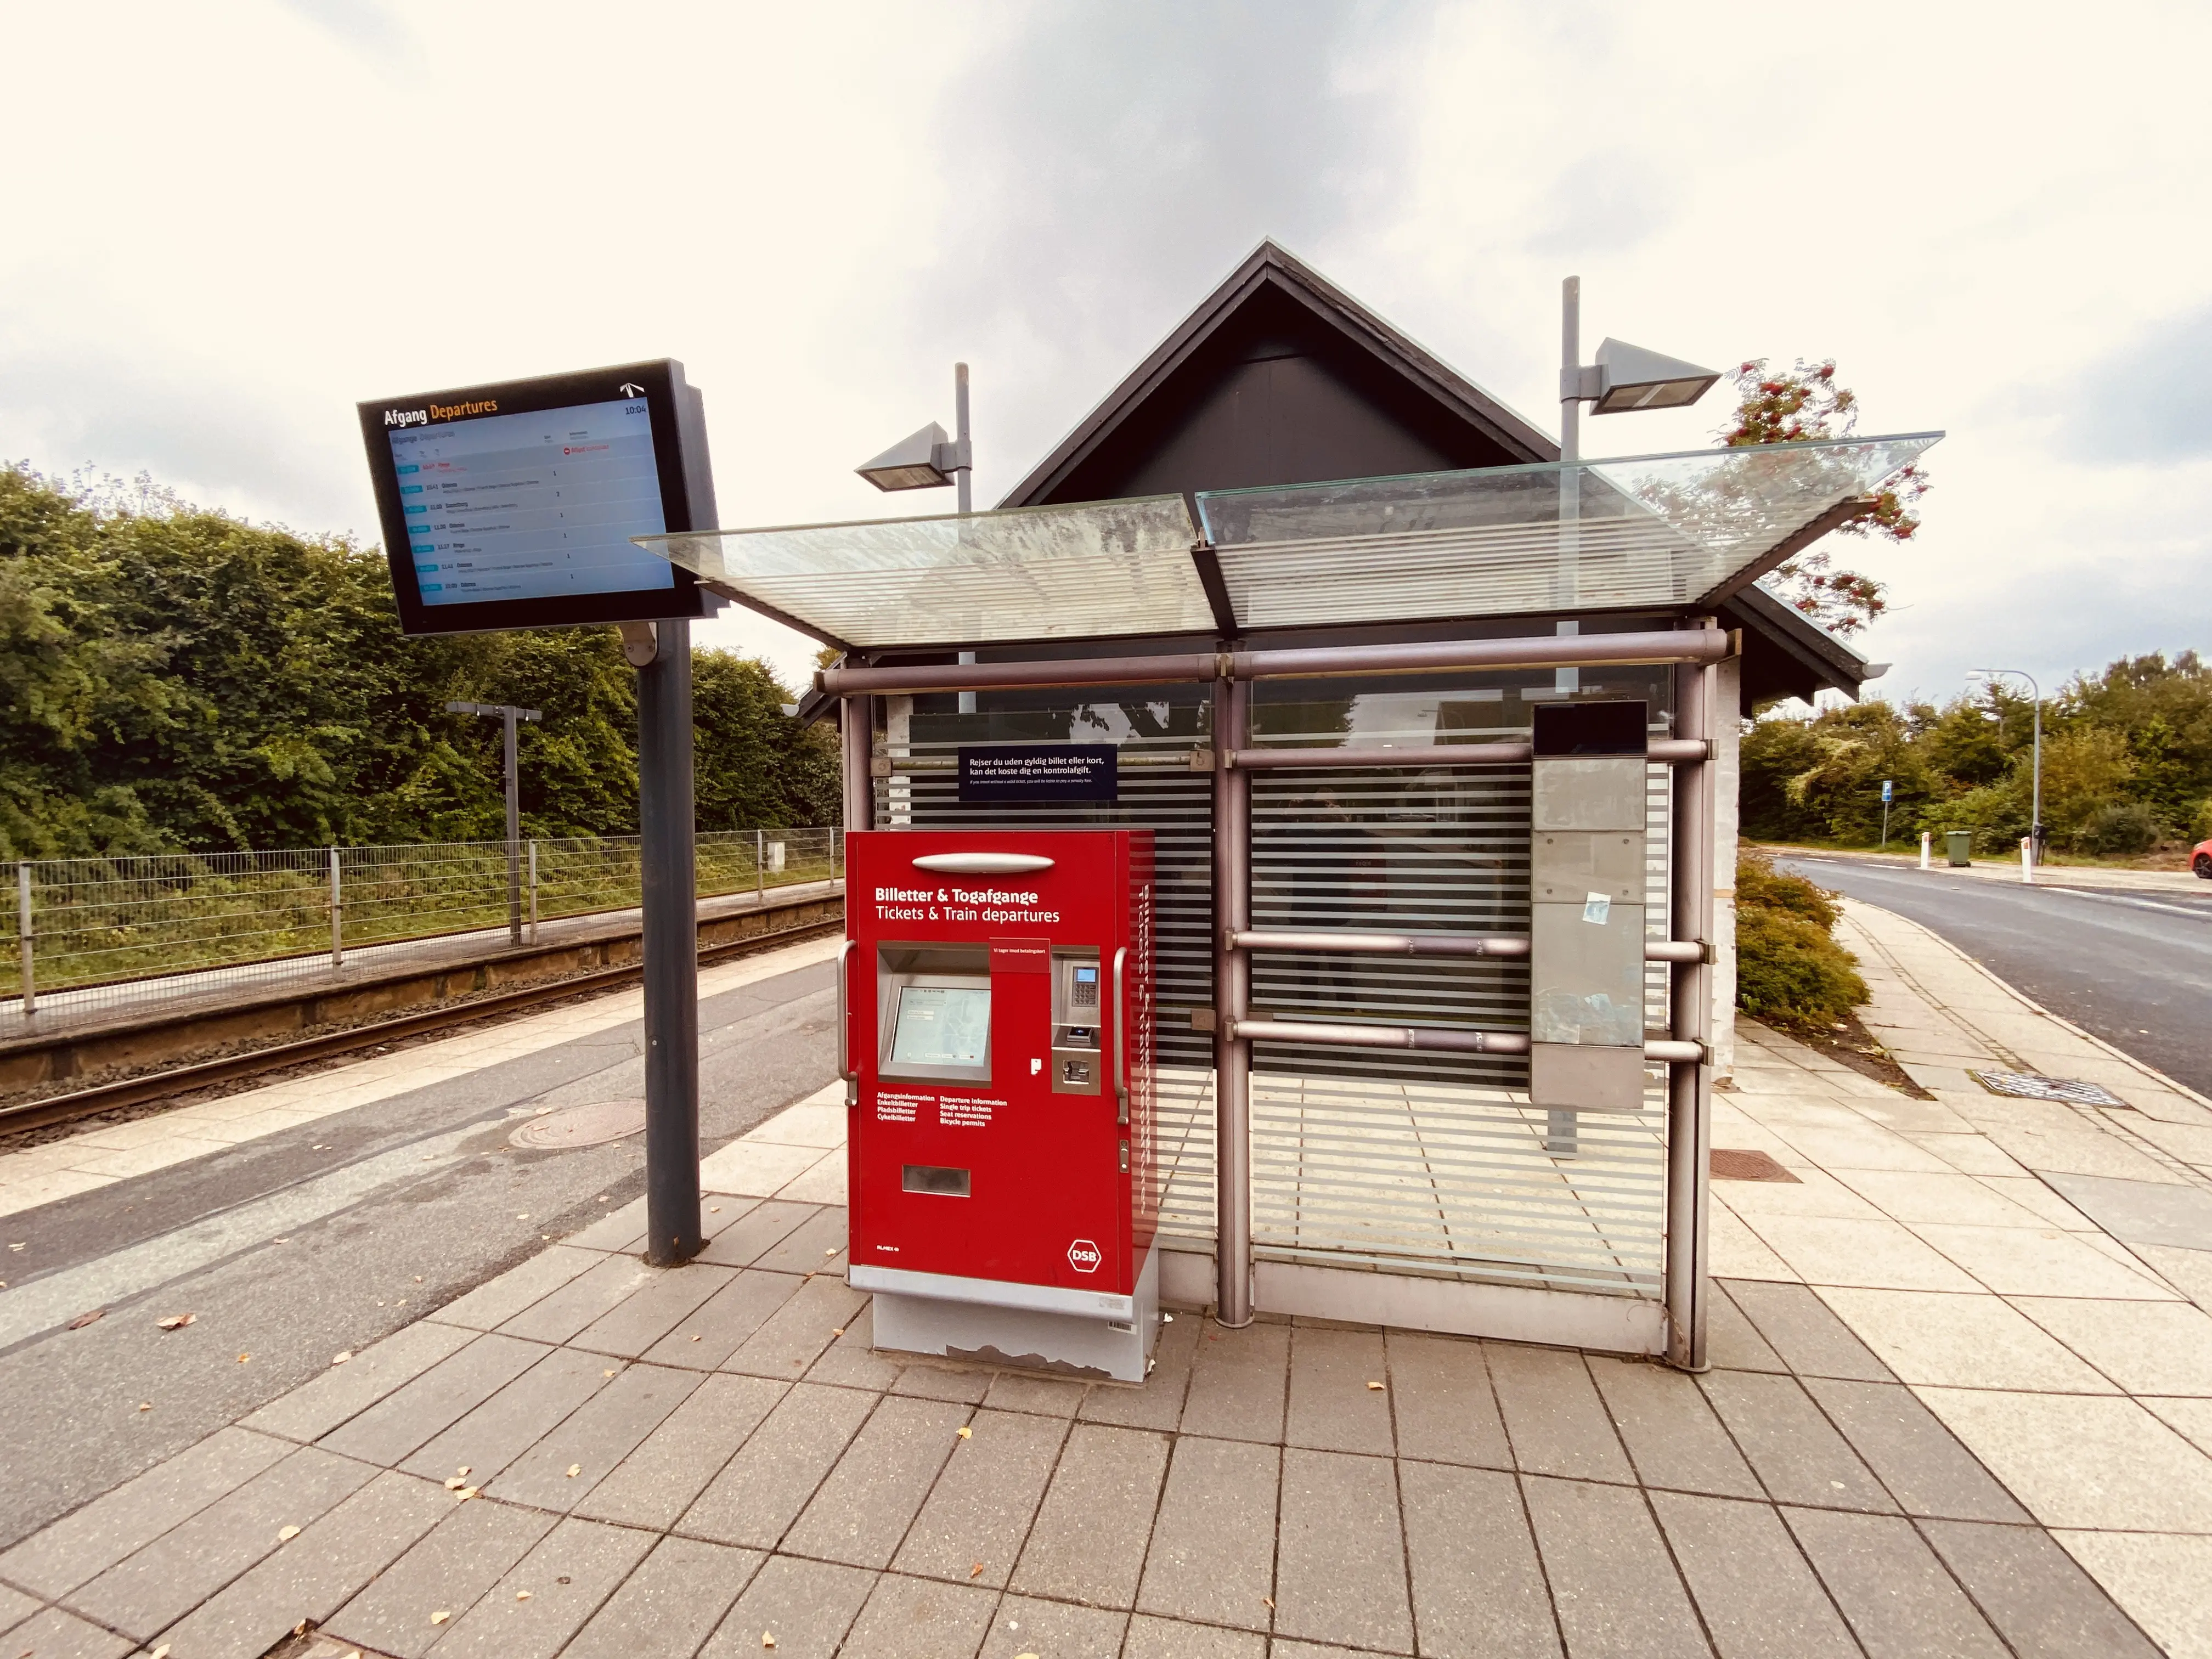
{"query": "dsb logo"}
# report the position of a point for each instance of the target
(1084, 1256)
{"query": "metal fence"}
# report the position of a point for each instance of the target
(83, 935)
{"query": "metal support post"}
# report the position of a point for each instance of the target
(25, 932)
(1232, 998)
(667, 852)
(760, 867)
(1690, 1082)
(856, 734)
(513, 831)
(1925, 861)
(533, 892)
(966, 464)
(337, 914)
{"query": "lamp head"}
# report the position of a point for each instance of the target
(1630, 377)
(912, 463)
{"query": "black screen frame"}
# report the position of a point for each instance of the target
(679, 453)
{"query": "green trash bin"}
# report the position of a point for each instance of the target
(1959, 844)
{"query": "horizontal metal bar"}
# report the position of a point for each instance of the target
(1664, 751)
(1385, 945)
(1541, 651)
(1423, 1037)
(1675, 1053)
(1432, 945)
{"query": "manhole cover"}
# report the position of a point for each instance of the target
(1737, 1164)
(2027, 1086)
(581, 1125)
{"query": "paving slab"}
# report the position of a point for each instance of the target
(659, 1479)
(860, 1513)
(1442, 1402)
(2035, 1593)
(652, 1311)
(558, 1316)
(1478, 1588)
(2141, 1211)
(903, 1617)
(343, 1392)
(761, 1490)
(1237, 1383)
(545, 1597)
(390, 1430)
(1553, 1416)
(1732, 1341)
(850, 1361)
(717, 1328)
(792, 1338)
(448, 1571)
(806, 1605)
(59, 1634)
(1759, 1597)
(670, 1605)
(315, 1573)
(529, 1282)
(1331, 1408)
(617, 1231)
(1088, 1542)
(1791, 1446)
(765, 1224)
(1157, 1402)
(979, 1512)
(515, 1419)
(1212, 1553)
(1911, 1452)
(1805, 1333)
(81, 1545)
(154, 1587)
(816, 1242)
(1048, 1396)
(1673, 1438)
(1174, 1638)
(1899, 1600)
(1025, 1625)
(1613, 1583)
(560, 1468)
(15, 1608)
(1340, 1559)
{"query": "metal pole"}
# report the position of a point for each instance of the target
(2035, 810)
(1232, 997)
(960, 434)
(760, 867)
(24, 934)
(1568, 587)
(514, 833)
(337, 914)
(1689, 1083)
(1571, 363)
(667, 851)
(856, 733)
(533, 891)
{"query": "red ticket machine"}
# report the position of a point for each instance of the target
(995, 1024)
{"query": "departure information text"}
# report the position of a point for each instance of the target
(532, 506)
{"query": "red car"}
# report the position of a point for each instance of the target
(2201, 859)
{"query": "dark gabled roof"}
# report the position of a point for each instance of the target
(1414, 413)
(1786, 653)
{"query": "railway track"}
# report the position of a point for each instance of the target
(155, 1085)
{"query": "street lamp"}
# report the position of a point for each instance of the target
(2035, 811)
(507, 714)
(927, 459)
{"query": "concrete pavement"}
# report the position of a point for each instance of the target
(1961, 1403)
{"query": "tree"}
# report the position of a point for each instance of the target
(1792, 406)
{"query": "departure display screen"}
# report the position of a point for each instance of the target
(513, 505)
(942, 1025)
(530, 506)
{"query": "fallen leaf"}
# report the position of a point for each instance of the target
(323, 1148)
(966, 1434)
(522, 1595)
(829, 1252)
(464, 1494)
(175, 1322)
(768, 1639)
(340, 1359)
(695, 1338)
(18, 1247)
(161, 1652)
(574, 1469)
(92, 1318)
(455, 1484)
(440, 1617)
(711, 1209)
(461, 1468)
(602, 1198)
(1374, 1385)
(285, 1534)
(146, 1406)
(1270, 1601)
(606, 1373)
(975, 1571)
(280, 1241)
(840, 1331)
(418, 1279)
(243, 1358)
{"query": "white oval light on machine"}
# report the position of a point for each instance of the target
(983, 863)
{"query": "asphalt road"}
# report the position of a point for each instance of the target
(293, 1247)
(2134, 969)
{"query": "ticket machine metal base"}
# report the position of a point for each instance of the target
(1068, 1332)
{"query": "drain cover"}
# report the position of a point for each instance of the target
(1737, 1164)
(2027, 1086)
(581, 1125)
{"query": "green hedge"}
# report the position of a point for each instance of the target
(1790, 971)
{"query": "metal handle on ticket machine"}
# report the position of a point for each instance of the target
(845, 1029)
(1121, 1038)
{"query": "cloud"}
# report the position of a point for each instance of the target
(1606, 203)
(2150, 400)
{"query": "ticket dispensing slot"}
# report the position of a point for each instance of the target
(1077, 1052)
(933, 1006)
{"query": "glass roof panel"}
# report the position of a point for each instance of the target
(1038, 572)
(1639, 532)
(1654, 531)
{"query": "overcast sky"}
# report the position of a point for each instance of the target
(226, 224)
